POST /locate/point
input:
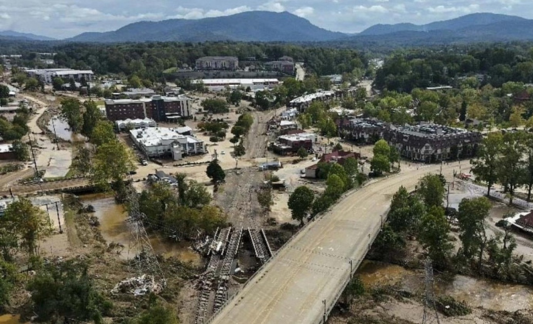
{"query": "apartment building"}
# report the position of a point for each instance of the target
(158, 108)
(217, 63)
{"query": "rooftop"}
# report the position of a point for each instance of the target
(141, 100)
(156, 136)
(4, 148)
(234, 81)
(311, 97)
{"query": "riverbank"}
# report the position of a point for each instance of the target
(395, 294)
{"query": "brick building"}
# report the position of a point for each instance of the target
(158, 108)
(424, 143)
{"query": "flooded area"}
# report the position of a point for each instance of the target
(60, 127)
(115, 228)
(10, 319)
(475, 292)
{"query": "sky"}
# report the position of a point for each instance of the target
(66, 18)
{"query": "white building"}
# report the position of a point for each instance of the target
(47, 75)
(160, 142)
(135, 123)
(223, 84)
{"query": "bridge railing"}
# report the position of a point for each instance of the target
(330, 304)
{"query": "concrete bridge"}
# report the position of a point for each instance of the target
(303, 281)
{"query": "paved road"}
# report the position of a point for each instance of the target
(314, 266)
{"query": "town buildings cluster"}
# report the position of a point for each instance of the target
(424, 142)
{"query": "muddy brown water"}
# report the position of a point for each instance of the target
(10, 319)
(114, 228)
(62, 130)
(487, 294)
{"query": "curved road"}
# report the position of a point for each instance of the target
(315, 265)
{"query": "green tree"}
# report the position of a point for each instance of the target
(382, 148)
(215, 106)
(4, 91)
(239, 150)
(262, 100)
(510, 167)
(57, 83)
(302, 153)
(405, 212)
(64, 292)
(338, 170)
(32, 84)
(434, 235)
(351, 167)
(71, 112)
(380, 164)
(21, 150)
(327, 127)
(300, 202)
(196, 195)
(334, 187)
(431, 190)
(27, 222)
(91, 116)
(102, 133)
(485, 166)
(305, 120)
(215, 172)
(317, 111)
(235, 97)
(112, 162)
(265, 198)
(157, 314)
(471, 217)
(8, 278)
(355, 288)
(83, 158)
(134, 81)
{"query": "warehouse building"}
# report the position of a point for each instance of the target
(223, 84)
(164, 142)
(48, 75)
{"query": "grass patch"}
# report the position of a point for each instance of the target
(72, 233)
(170, 70)
(448, 306)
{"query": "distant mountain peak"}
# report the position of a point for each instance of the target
(260, 26)
(470, 20)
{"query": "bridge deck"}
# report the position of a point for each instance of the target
(315, 265)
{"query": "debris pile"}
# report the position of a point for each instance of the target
(138, 286)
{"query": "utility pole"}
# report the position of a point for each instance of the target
(448, 196)
(33, 156)
(430, 311)
(58, 219)
(55, 133)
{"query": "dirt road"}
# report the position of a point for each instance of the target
(313, 267)
(239, 198)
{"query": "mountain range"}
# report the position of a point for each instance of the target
(264, 26)
(10, 34)
(259, 26)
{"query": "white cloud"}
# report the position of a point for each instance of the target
(272, 6)
(374, 8)
(3, 15)
(304, 11)
(460, 9)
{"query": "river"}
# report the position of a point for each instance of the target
(483, 293)
(114, 228)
